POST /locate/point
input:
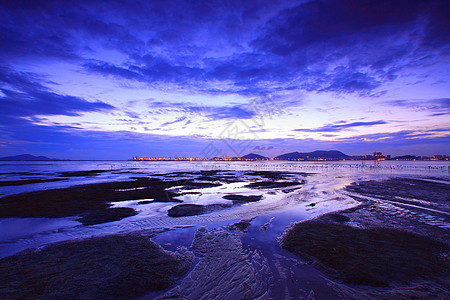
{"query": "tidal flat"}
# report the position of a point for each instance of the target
(240, 231)
(394, 244)
(109, 267)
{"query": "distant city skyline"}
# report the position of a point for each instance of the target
(318, 155)
(116, 79)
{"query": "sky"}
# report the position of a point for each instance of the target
(114, 79)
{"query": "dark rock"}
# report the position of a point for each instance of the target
(109, 215)
(191, 184)
(81, 173)
(243, 198)
(210, 172)
(273, 184)
(290, 190)
(189, 193)
(207, 178)
(145, 202)
(268, 174)
(266, 225)
(184, 210)
(241, 225)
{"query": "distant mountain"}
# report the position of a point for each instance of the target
(253, 156)
(24, 157)
(333, 154)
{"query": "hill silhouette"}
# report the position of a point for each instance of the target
(25, 157)
(333, 154)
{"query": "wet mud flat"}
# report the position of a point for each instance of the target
(395, 244)
(110, 267)
(129, 266)
(41, 177)
(93, 202)
(257, 180)
(183, 210)
(28, 181)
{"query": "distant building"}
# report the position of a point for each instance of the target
(378, 156)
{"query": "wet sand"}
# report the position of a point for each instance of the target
(223, 270)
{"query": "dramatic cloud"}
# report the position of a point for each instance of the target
(339, 127)
(363, 42)
(263, 148)
(208, 111)
(93, 64)
(173, 122)
(24, 96)
(436, 107)
(337, 46)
